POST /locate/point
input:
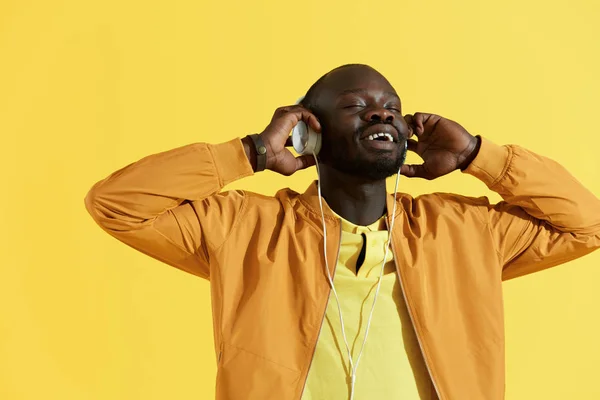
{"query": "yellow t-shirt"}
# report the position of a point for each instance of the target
(392, 365)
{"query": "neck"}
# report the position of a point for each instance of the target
(355, 199)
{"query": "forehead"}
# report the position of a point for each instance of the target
(354, 80)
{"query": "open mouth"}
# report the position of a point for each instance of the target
(380, 137)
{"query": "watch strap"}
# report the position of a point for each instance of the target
(261, 152)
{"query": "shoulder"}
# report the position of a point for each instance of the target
(282, 196)
(444, 204)
(260, 203)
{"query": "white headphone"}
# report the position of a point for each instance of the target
(306, 141)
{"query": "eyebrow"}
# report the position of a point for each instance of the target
(364, 92)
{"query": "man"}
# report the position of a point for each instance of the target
(437, 329)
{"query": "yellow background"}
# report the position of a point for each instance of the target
(89, 86)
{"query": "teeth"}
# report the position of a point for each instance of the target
(387, 136)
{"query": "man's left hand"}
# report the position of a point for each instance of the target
(443, 145)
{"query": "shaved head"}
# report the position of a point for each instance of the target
(359, 111)
(312, 95)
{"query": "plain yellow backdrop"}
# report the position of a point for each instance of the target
(89, 86)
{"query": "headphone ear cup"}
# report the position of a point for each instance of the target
(305, 140)
(299, 137)
(314, 140)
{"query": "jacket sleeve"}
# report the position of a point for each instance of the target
(169, 205)
(547, 216)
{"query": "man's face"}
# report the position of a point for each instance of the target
(364, 132)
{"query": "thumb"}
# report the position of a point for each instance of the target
(414, 171)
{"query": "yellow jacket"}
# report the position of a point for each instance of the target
(264, 258)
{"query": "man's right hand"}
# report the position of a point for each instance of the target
(276, 138)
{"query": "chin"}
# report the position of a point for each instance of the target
(379, 175)
(373, 170)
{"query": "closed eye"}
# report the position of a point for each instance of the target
(354, 106)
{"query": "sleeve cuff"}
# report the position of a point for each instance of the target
(491, 163)
(230, 161)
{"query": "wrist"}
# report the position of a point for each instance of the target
(472, 154)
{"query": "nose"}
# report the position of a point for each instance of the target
(379, 115)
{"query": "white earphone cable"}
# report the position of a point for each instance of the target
(327, 267)
(354, 367)
(387, 248)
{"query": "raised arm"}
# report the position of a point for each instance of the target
(170, 205)
(547, 216)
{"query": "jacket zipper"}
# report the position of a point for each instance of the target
(324, 314)
(413, 322)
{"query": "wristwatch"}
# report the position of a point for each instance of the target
(261, 152)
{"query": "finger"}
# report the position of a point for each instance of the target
(281, 110)
(418, 121)
(411, 121)
(313, 122)
(428, 121)
(412, 145)
(303, 114)
(414, 171)
(303, 162)
(411, 131)
(288, 142)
